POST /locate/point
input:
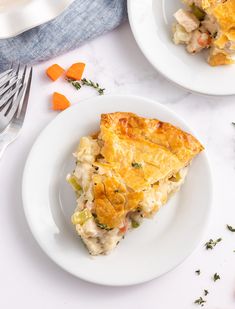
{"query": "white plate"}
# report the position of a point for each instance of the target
(17, 16)
(151, 22)
(146, 253)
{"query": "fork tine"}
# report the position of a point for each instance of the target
(11, 83)
(24, 73)
(17, 69)
(5, 80)
(10, 94)
(11, 110)
(5, 73)
(22, 109)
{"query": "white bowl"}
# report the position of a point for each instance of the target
(151, 22)
(154, 248)
(17, 16)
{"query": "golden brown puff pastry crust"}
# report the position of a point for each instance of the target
(136, 154)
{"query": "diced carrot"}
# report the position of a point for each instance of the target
(59, 101)
(124, 228)
(75, 71)
(54, 72)
(204, 40)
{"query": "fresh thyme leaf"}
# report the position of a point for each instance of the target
(101, 91)
(212, 243)
(92, 84)
(216, 277)
(75, 84)
(102, 226)
(233, 123)
(116, 191)
(198, 272)
(206, 292)
(136, 165)
(230, 228)
(200, 301)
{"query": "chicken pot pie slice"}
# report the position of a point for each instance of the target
(126, 173)
(207, 24)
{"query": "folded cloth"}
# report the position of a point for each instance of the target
(81, 21)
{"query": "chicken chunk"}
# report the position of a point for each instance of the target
(187, 20)
(180, 35)
(210, 24)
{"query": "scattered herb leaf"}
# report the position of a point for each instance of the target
(200, 301)
(102, 226)
(116, 191)
(212, 243)
(206, 292)
(198, 272)
(136, 165)
(216, 277)
(230, 228)
(233, 123)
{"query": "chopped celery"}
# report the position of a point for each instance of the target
(80, 217)
(73, 181)
(200, 14)
(134, 224)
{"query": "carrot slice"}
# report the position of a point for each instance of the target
(75, 71)
(59, 101)
(54, 72)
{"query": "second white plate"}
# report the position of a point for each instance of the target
(147, 252)
(151, 22)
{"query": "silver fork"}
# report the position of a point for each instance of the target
(14, 110)
(10, 91)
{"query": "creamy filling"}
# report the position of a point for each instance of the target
(98, 238)
(198, 29)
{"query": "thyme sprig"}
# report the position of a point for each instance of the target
(136, 165)
(92, 84)
(230, 228)
(216, 277)
(212, 243)
(77, 84)
(200, 301)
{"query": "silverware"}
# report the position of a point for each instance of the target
(14, 95)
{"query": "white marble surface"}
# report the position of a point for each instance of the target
(28, 279)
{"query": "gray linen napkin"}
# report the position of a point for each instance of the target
(82, 21)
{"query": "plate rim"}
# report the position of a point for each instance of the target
(143, 50)
(27, 23)
(62, 265)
